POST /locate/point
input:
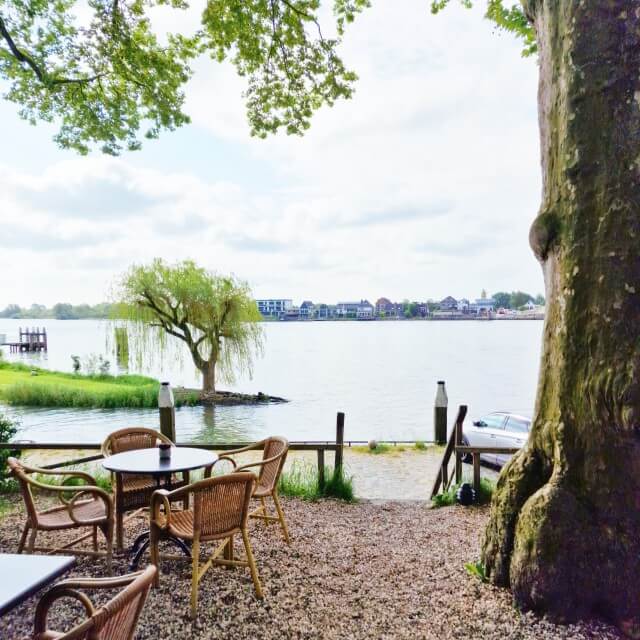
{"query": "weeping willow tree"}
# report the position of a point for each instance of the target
(215, 316)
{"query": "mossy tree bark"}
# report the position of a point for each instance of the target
(564, 530)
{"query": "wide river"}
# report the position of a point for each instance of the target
(381, 374)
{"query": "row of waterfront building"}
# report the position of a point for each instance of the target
(449, 307)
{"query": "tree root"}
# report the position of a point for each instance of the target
(518, 481)
(567, 555)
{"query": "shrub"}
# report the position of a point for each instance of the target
(8, 429)
(420, 445)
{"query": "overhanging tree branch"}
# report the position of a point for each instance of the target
(40, 72)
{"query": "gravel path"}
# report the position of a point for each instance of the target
(367, 570)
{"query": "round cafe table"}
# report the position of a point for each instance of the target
(148, 462)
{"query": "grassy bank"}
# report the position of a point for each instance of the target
(28, 386)
(393, 449)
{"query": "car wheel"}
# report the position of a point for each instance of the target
(467, 457)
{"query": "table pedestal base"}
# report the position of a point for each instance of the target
(141, 544)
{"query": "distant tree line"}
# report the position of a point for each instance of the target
(59, 311)
(515, 299)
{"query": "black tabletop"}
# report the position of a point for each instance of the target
(23, 575)
(148, 461)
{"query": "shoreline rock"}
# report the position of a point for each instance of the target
(231, 398)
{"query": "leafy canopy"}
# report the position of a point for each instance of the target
(101, 78)
(216, 316)
(98, 70)
(507, 16)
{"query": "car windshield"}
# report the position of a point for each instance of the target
(495, 421)
(518, 425)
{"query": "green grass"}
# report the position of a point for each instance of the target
(6, 506)
(476, 569)
(301, 481)
(19, 386)
(449, 497)
(420, 446)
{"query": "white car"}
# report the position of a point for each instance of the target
(497, 429)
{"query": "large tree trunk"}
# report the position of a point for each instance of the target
(564, 530)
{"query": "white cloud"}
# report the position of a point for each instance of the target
(424, 184)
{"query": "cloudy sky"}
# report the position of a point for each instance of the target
(421, 186)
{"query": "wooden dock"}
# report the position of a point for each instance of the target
(29, 340)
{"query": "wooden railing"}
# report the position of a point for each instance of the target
(456, 449)
(320, 447)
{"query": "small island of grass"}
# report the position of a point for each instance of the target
(22, 385)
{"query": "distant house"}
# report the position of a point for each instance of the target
(483, 306)
(274, 307)
(324, 311)
(362, 309)
(449, 304)
(306, 310)
(530, 306)
(384, 307)
(365, 310)
(463, 305)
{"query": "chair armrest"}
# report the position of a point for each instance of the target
(68, 589)
(58, 592)
(97, 494)
(249, 447)
(162, 496)
(260, 463)
(87, 477)
(111, 582)
(226, 458)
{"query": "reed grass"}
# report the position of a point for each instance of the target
(26, 386)
(301, 481)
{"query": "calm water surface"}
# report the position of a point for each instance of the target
(381, 374)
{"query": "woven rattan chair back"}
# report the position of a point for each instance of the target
(22, 476)
(115, 620)
(132, 438)
(221, 504)
(274, 447)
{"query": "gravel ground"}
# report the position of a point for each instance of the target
(392, 570)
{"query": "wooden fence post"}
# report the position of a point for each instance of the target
(476, 473)
(339, 442)
(458, 442)
(321, 469)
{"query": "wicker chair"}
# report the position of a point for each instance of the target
(82, 506)
(274, 454)
(133, 491)
(115, 620)
(220, 510)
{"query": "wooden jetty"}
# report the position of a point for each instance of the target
(34, 339)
